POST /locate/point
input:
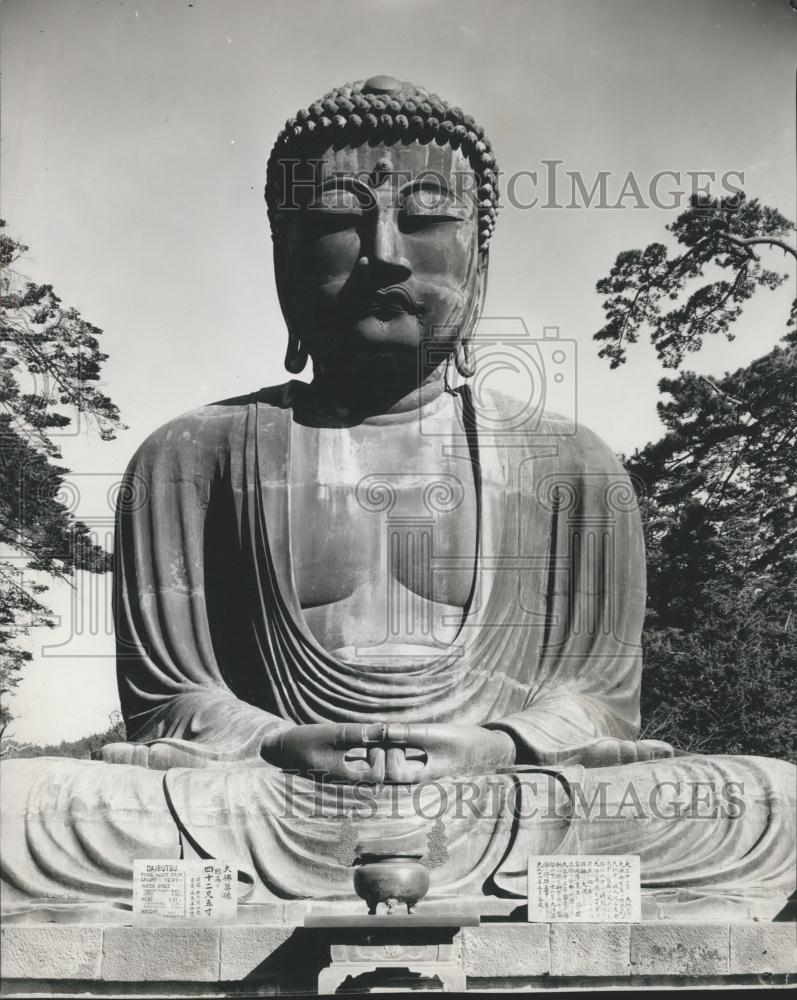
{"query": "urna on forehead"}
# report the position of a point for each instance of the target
(384, 111)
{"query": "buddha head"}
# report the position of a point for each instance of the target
(382, 201)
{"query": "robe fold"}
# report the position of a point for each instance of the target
(212, 644)
(213, 654)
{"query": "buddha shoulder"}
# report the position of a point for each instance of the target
(578, 447)
(213, 428)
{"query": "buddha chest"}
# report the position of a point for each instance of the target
(383, 531)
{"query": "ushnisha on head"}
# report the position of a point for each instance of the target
(382, 201)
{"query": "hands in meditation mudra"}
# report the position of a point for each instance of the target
(355, 598)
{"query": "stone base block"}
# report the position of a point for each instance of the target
(498, 950)
(50, 951)
(590, 950)
(165, 954)
(762, 948)
(57, 959)
(680, 949)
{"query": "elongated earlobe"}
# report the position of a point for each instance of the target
(464, 360)
(464, 355)
(295, 356)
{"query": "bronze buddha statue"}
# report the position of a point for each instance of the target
(361, 600)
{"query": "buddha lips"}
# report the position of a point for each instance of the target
(397, 299)
(364, 298)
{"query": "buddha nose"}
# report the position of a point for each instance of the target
(386, 253)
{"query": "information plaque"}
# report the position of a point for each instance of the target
(592, 888)
(184, 891)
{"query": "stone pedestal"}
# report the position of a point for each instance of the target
(439, 960)
(429, 947)
(63, 960)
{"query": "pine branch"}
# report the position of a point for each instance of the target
(772, 241)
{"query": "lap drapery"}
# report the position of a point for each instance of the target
(71, 829)
(706, 828)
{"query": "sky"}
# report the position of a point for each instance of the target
(134, 142)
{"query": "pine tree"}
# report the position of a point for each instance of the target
(717, 492)
(52, 351)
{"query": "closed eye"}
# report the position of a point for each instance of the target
(420, 208)
(416, 222)
(327, 221)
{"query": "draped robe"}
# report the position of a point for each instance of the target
(214, 654)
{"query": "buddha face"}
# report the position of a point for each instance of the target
(378, 267)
